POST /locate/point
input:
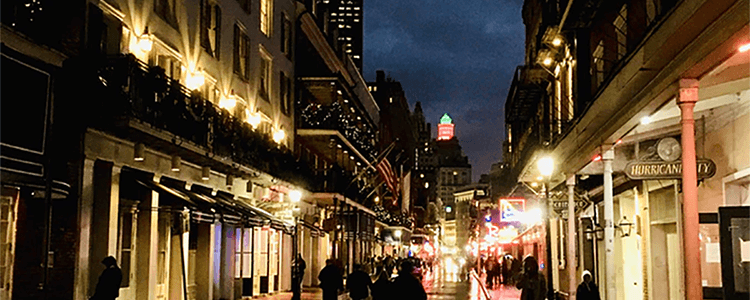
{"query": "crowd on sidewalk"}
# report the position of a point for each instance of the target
(406, 285)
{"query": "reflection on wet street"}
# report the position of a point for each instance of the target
(449, 285)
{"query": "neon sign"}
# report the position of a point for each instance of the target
(511, 209)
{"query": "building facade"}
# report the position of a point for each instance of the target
(605, 94)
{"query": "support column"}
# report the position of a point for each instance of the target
(205, 260)
(148, 247)
(571, 183)
(609, 227)
(692, 264)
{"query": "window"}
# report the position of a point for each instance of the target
(166, 10)
(265, 76)
(598, 66)
(266, 17)
(621, 29)
(285, 93)
(171, 65)
(210, 28)
(126, 240)
(241, 53)
(286, 36)
(245, 5)
(243, 257)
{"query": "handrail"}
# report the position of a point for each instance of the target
(481, 285)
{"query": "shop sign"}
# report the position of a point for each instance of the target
(642, 170)
(561, 206)
(669, 151)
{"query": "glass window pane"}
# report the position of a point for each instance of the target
(740, 228)
(710, 255)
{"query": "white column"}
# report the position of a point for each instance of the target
(609, 227)
(571, 182)
(114, 216)
(205, 260)
(83, 270)
(147, 247)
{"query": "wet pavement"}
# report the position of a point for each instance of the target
(438, 285)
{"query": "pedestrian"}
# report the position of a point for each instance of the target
(506, 268)
(406, 286)
(587, 290)
(330, 280)
(490, 270)
(515, 269)
(497, 272)
(298, 273)
(381, 289)
(531, 283)
(108, 287)
(358, 283)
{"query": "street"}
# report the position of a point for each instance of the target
(439, 286)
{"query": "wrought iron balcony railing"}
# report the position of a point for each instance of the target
(334, 116)
(122, 89)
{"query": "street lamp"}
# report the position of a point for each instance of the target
(546, 167)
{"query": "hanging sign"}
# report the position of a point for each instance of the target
(667, 165)
(667, 170)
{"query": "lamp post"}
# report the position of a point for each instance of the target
(295, 197)
(546, 167)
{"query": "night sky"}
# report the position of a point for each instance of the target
(453, 56)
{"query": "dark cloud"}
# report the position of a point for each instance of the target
(453, 56)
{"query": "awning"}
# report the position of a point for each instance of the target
(260, 213)
(179, 199)
(236, 212)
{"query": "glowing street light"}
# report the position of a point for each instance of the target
(545, 165)
(397, 233)
(295, 196)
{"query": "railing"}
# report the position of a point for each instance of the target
(333, 116)
(123, 88)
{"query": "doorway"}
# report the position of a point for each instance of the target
(734, 228)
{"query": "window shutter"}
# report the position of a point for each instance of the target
(217, 30)
(237, 49)
(204, 24)
(247, 57)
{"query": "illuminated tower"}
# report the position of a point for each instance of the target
(445, 128)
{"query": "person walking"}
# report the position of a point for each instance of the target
(406, 286)
(298, 272)
(381, 289)
(490, 270)
(531, 283)
(587, 290)
(358, 283)
(108, 287)
(330, 280)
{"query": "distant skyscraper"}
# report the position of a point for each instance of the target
(347, 16)
(445, 128)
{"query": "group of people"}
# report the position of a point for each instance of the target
(526, 277)
(360, 285)
(501, 270)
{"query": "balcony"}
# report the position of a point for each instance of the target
(131, 100)
(333, 122)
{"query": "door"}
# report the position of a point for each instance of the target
(8, 201)
(734, 228)
(710, 256)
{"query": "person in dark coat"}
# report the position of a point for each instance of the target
(406, 286)
(587, 290)
(298, 272)
(358, 283)
(108, 287)
(381, 289)
(330, 280)
(531, 283)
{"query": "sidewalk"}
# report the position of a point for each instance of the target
(308, 293)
